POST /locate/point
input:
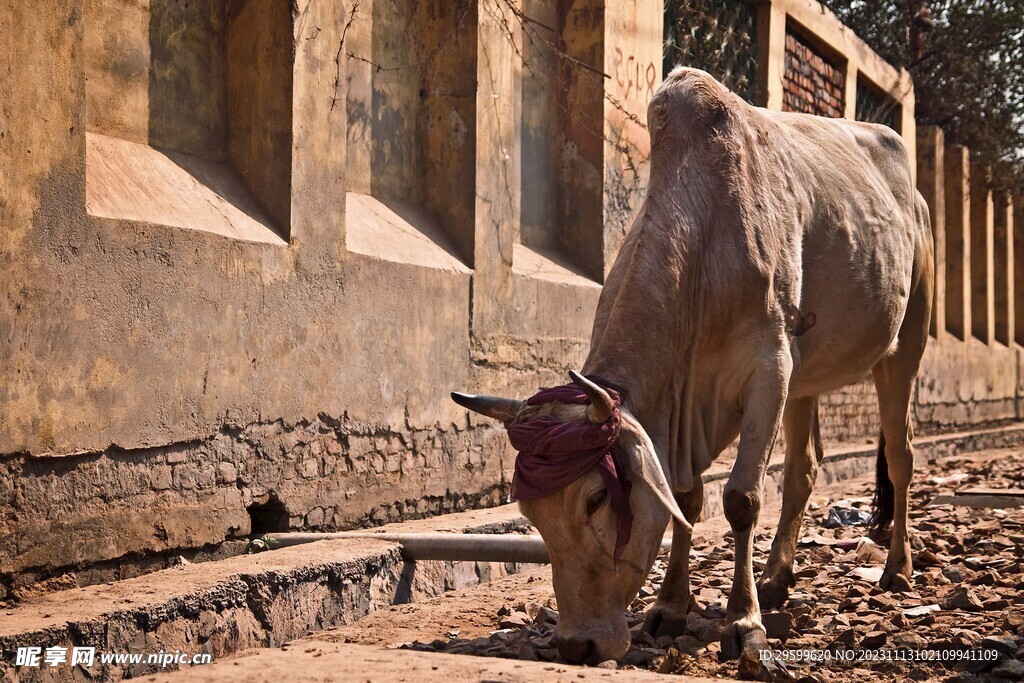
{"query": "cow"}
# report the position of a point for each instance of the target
(777, 256)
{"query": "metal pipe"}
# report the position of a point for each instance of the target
(452, 547)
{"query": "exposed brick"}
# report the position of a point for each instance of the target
(310, 467)
(177, 456)
(812, 84)
(185, 476)
(235, 468)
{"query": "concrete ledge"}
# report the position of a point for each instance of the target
(848, 462)
(217, 607)
(545, 264)
(135, 182)
(247, 601)
(392, 230)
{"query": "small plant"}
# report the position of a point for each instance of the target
(262, 544)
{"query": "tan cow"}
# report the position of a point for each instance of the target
(754, 220)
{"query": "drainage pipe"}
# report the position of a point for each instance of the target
(452, 547)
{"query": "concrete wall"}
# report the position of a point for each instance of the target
(971, 371)
(247, 251)
(178, 346)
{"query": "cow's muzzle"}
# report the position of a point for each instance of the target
(577, 650)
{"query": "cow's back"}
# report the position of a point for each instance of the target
(751, 213)
(867, 228)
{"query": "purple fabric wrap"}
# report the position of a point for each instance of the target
(553, 454)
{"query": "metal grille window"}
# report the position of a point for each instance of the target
(874, 105)
(718, 36)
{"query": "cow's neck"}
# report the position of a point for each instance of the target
(647, 338)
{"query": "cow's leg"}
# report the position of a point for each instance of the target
(667, 616)
(895, 375)
(803, 454)
(763, 404)
(894, 391)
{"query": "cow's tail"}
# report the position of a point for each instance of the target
(884, 503)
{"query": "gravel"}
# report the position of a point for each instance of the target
(968, 597)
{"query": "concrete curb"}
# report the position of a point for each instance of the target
(224, 607)
(219, 607)
(848, 462)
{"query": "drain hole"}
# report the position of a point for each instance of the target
(268, 517)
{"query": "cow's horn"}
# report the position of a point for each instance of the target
(601, 404)
(503, 409)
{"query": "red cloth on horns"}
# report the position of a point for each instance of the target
(553, 454)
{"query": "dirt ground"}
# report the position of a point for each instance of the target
(328, 662)
(967, 607)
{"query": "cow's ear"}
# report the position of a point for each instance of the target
(646, 464)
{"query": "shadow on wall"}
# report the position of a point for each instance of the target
(187, 76)
(220, 88)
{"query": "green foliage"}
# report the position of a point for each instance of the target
(968, 69)
(262, 544)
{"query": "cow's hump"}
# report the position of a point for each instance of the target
(691, 103)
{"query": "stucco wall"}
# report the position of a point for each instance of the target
(203, 312)
(159, 379)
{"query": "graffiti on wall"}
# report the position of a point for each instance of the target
(635, 78)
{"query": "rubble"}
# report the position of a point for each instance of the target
(966, 609)
(963, 599)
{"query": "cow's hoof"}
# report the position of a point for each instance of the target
(665, 619)
(746, 640)
(896, 580)
(765, 669)
(772, 593)
(743, 638)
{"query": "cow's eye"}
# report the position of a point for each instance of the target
(595, 500)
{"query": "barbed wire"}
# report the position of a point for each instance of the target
(528, 27)
(337, 57)
(449, 38)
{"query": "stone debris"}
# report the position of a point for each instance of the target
(967, 606)
(778, 625)
(963, 598)
(868, 574)
(920, 610)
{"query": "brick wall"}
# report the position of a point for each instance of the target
(812, 84)
(849, 415)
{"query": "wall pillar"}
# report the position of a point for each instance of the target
(983, 317)
(907, 120)
(1017, 267)
(931, 184)
(957, 172)
(771, 58)
(1004, 276)
(850, 92)
(633, 37)
(497, 164)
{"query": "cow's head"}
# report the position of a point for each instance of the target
(578, 525)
